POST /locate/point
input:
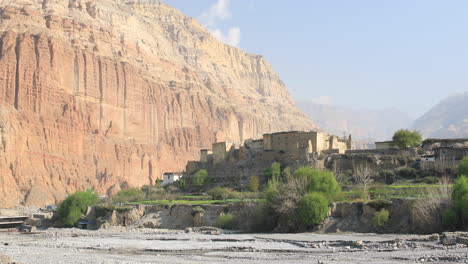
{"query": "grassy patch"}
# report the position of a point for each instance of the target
(402, 191)
(418, 186)
(199, 202)
(194, 197)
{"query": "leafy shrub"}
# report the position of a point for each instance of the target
(318, 181)
(287, 173)
(225, 221)
(129, 195)
(267, 174)
(284, 197)
(450, 219)
(460, 198)
(275, 171)
(407, 173)
(182, 184)
(200, 178)
(271, 190)
(219, 193)
(380, 218)
(72, 208)
(463, 167)
(253, 184)
(158, 182)
(313, 208)
(388, 176)
(197, 210)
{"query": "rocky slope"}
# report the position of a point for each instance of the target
(362, 124)
(448, 119)
(105, 94)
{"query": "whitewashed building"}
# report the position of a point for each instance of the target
(170, 177)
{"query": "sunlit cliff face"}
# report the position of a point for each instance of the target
(106, 94)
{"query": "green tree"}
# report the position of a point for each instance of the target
(404, 138)
(182, 184)
(253, 184)
(463, 167)
(313, 208)
(200, 178)
(72, 208)
(460, 198)
(322, 181)
(275, 171)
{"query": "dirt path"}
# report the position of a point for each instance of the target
(120, 245)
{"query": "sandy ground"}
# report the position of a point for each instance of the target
(121, 245)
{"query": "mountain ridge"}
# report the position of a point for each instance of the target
(447, 119)
(365, 125)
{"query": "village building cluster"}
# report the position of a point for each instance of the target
(231, 164)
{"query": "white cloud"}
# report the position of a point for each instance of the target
(323, 100)
(232, 37)
(211, 18)
(218, 11)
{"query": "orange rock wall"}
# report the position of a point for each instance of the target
(83, 105)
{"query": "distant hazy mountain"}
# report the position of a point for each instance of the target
(363, 124)
(448, 119)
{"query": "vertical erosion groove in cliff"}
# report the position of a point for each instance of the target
(107, 94)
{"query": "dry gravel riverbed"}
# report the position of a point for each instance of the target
(121, 245)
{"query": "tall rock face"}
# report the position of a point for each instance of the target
(106, 94)
(447, 119)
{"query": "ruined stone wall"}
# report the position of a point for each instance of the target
(321, 142)
(408, 152)
(366, 163)
(220, 151)
(206, 155)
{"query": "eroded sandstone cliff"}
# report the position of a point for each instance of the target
(105, 94)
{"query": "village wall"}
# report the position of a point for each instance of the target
(220, 151)
(231, 166)
(206, 155)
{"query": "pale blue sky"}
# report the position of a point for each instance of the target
(407, 54)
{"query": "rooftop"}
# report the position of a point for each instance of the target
(433, 140)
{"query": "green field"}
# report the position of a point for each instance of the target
(199, 202)
(389, 192)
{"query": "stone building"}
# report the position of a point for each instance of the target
(170, 177)
(229, 164)
(450, 153)
(445, 154)
(384, 145)
(431, 143)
